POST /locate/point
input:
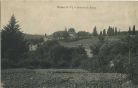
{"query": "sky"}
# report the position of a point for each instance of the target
(47, 16)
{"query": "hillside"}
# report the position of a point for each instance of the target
(87, 42)
(84, 42)
(32, 36)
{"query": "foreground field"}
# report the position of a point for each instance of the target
(60, 78)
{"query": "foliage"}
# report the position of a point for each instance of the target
(59, 78)
(110, 31)
(104, 32)
(122, 53)
(13, 45)
(133, 31)
(71, 30)
(52, 55)
(95, 31)
(101, 33)
(83, 34)
(116, 32)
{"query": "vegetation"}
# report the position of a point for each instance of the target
(50, 78)
(13, 45)
(112, 51)
(83, 34)
(95, 31)
(71, 30)
(118, 56)
(52, 55)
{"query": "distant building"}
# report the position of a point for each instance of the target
(33, 47)
(46, 38)
(72, 35)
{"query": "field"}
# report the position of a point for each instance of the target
(60, 78)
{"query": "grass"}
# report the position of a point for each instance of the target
(88, 42)
(59, 78)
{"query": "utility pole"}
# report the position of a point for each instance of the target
(129, 50)
(129, 56)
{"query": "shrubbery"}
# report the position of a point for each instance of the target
(118, 56)
(52, 55)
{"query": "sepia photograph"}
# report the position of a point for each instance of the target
(69, 44)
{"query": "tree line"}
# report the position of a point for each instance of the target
(113, 31)
(110, 31)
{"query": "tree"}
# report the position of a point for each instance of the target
(95, 31)
(71, 30)
(83, 34)
(53, 55)
(129, 31)
(101, 33)
(134, 31)
(109, 31)
(132, 44)
(115, 31)
(13, 45)
(104, 32)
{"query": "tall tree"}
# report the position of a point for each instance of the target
(104, 32)
(95, 31)
(109, 31)
(101, 33)
(13, 44)
(115, 30)
(129, 31)
(134, 30)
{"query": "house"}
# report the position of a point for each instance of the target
(72, 34)
(33, 47)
